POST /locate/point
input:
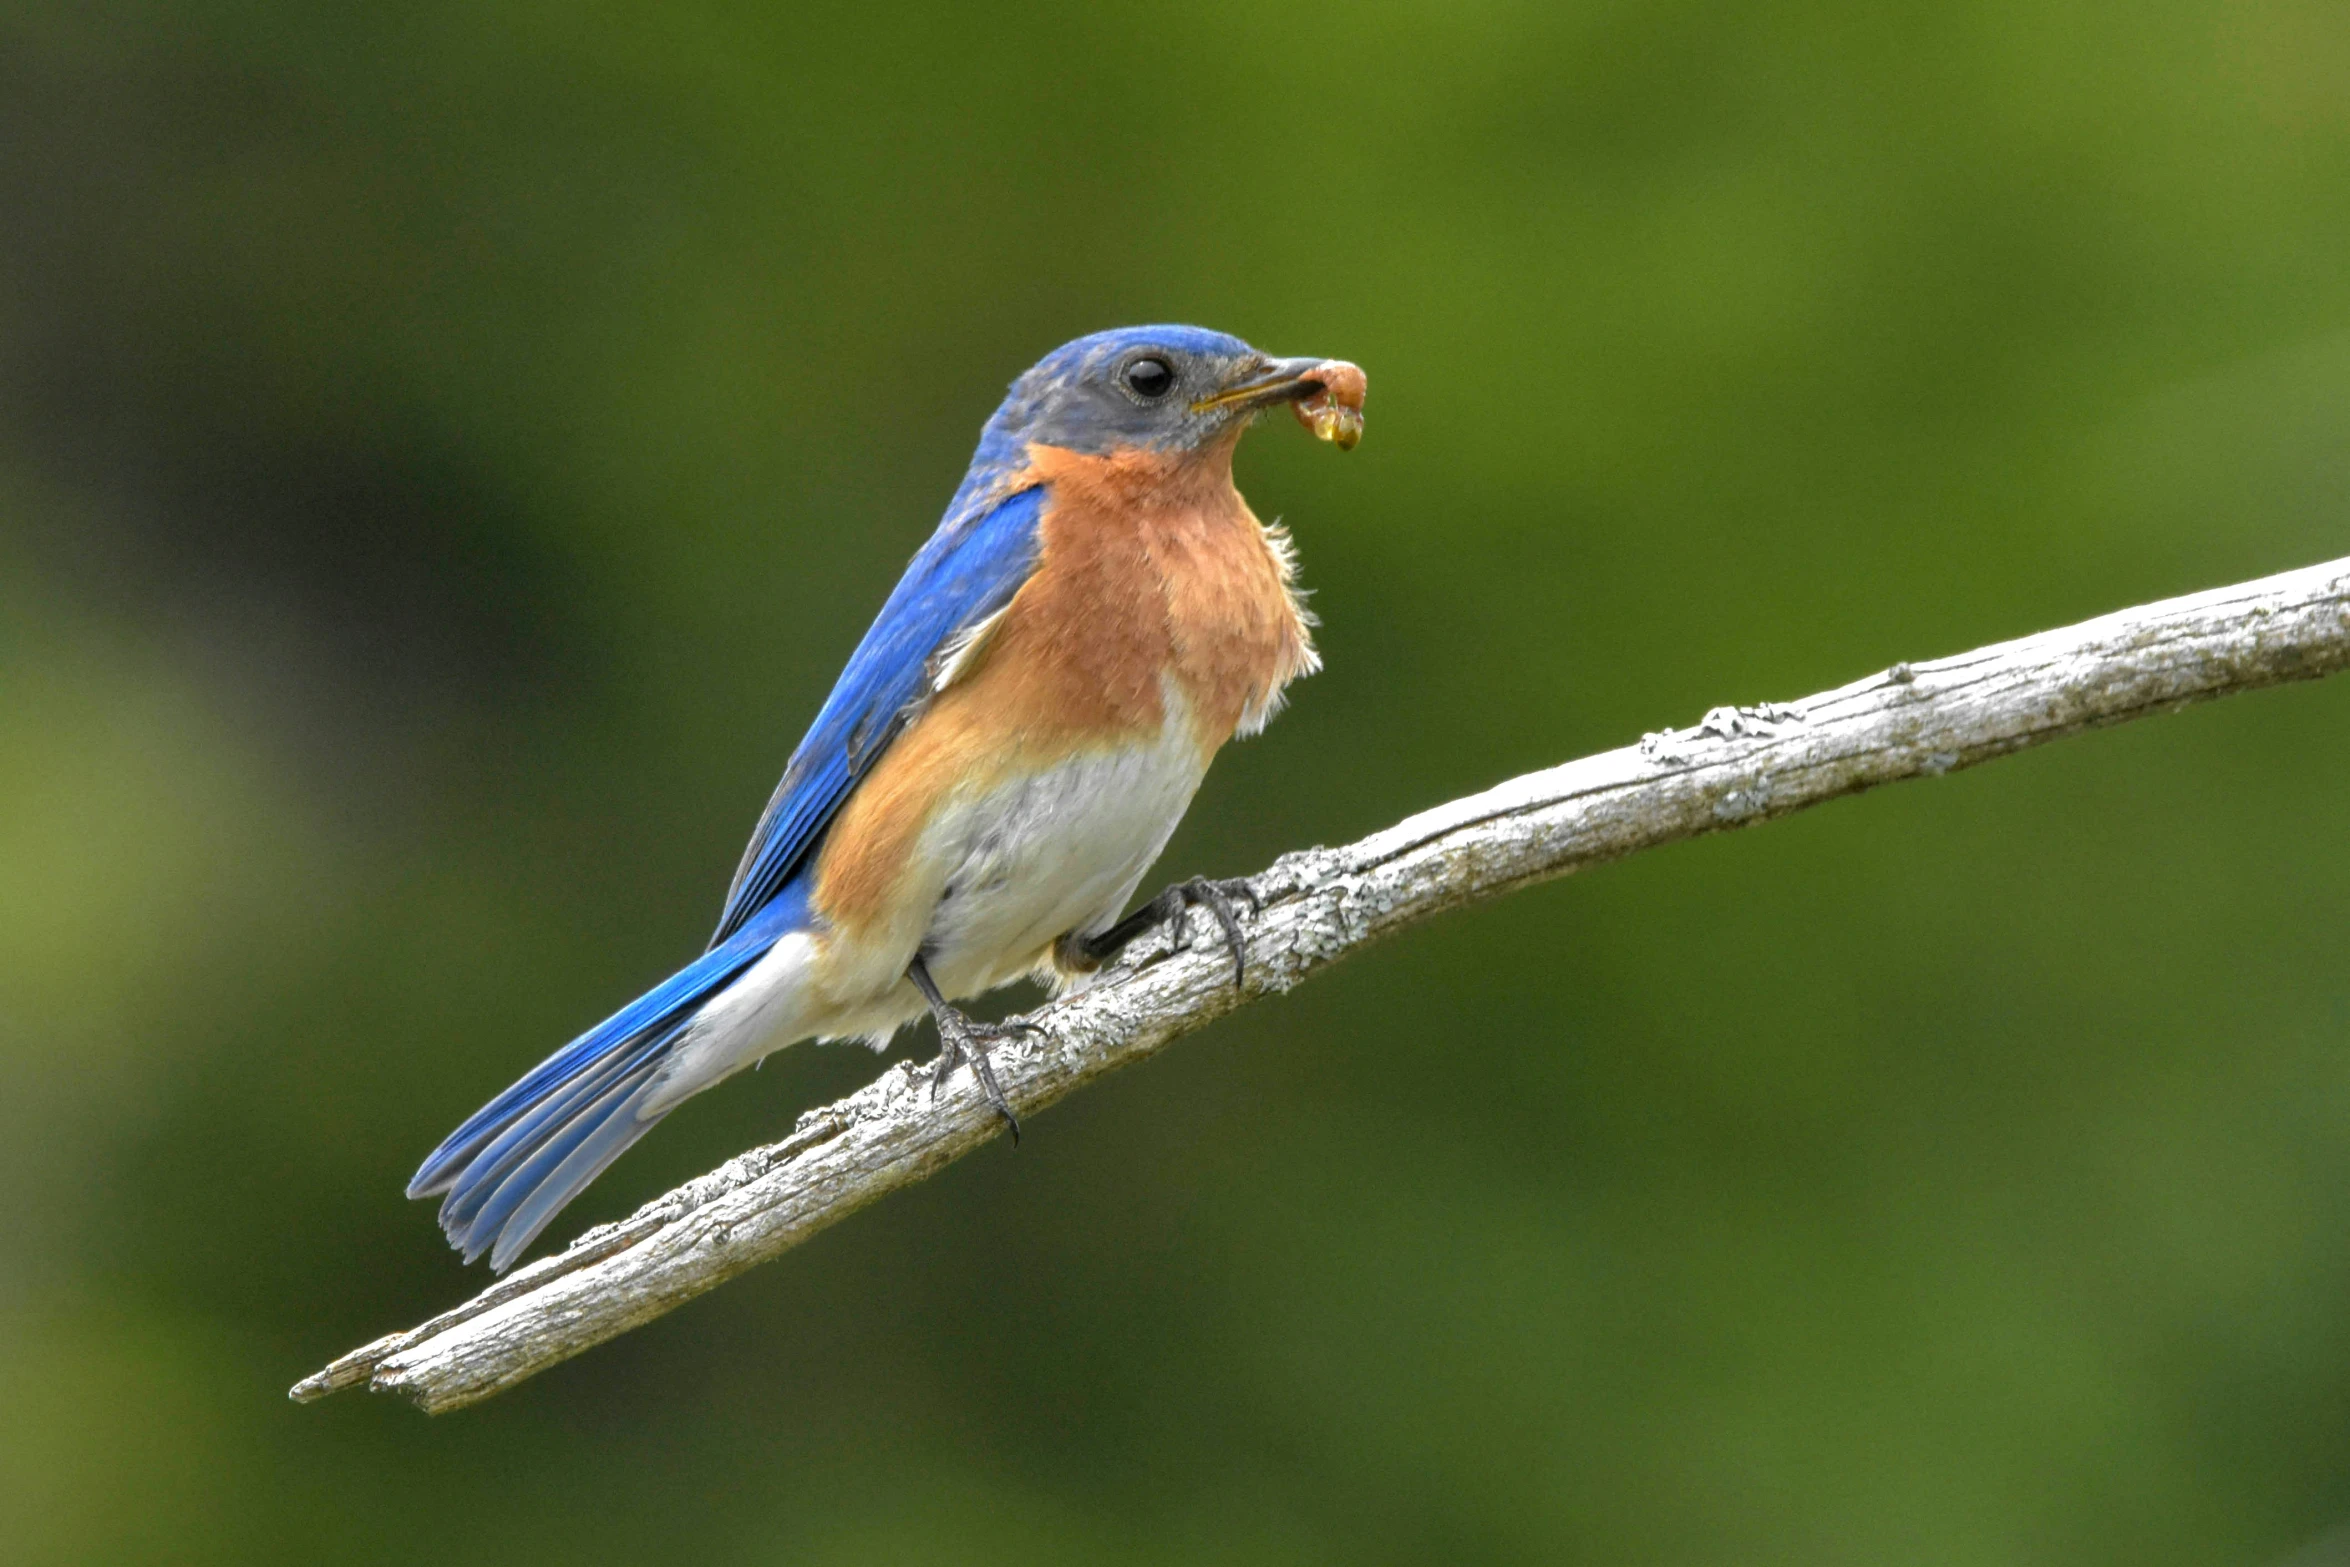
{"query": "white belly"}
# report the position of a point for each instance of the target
(1060, 851)
(1003, 873)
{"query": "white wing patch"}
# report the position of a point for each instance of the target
(961, 652)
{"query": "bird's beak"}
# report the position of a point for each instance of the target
(1282, 381)
(1328, 395)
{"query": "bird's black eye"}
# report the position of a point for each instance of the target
(1149, 377)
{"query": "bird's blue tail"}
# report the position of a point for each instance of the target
(519, 1159)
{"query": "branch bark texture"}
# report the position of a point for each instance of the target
(1736, 767)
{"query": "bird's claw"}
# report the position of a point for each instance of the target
(963, 1039)
(1172, 909)
(1217, 897)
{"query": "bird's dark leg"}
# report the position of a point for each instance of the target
(1172, 909)
(962, 1038)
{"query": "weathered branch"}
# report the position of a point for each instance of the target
(1736, 767)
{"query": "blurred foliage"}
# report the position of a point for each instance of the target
(445, 451)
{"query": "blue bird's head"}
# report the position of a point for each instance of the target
(1171, 389)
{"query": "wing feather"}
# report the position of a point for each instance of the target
(966, 574)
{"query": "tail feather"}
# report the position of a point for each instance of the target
(507, 1172)
(487, 1172)
(606, 1132)
(554, 1173)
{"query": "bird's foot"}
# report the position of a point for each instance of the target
(1172, 909)
(963, 1039)
(1218, 898)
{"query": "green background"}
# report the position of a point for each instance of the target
(447, 448)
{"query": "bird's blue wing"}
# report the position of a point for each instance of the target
(506, 1173)
(970, 569)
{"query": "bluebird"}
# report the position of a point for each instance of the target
(1000, 763)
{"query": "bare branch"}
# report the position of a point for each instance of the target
(1738, 766)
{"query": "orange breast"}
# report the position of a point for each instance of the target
(1149, 569)
(1154, 565)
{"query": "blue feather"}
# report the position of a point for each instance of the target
(970, 569)
(572, 1155)
(510, 1168)
(506, 1173)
